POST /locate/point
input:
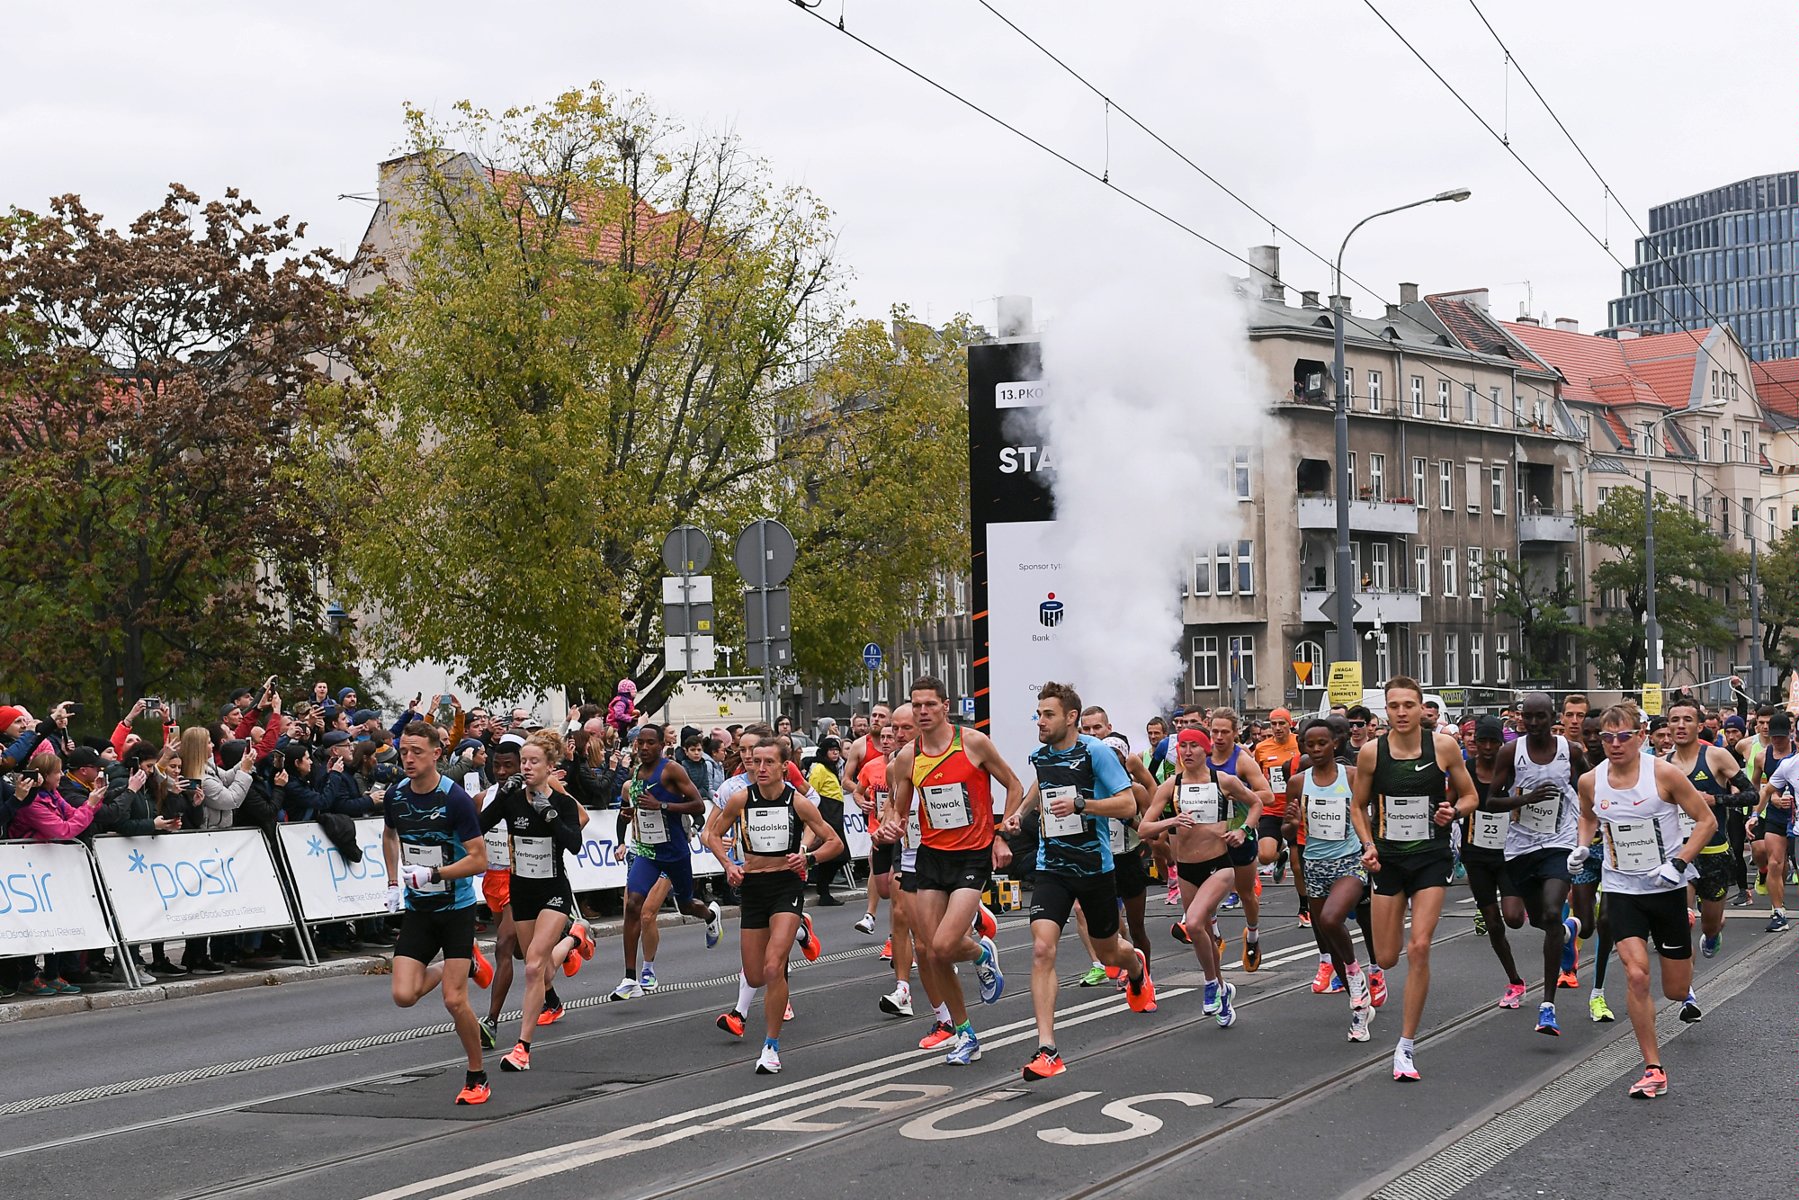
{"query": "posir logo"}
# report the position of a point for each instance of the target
(188, 878)
(1050, 611)
(27, 892)
(342, 872)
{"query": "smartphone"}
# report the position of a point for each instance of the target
(268, 685)
(72, 707)
(277, 761)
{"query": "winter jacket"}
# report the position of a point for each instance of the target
(125, 812)
(223, 793)
(47, 817)
(343, 795)
(300, 801)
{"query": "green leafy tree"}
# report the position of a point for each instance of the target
(1539, 607)
(588, 329)
(155, 535)
(1690, 560)
(1777, 569)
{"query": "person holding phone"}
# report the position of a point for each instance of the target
(45, 816)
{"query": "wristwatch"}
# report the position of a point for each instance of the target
(1680, 864)
(435, 877)
(1080, 804)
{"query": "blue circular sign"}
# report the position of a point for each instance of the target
(871, 656)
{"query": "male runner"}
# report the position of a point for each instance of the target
(1408, 792)
(1483, 852)
(1715, 774)
(945, 772)
(432, 840)
(1533, 781)
(1634, 803)
(769, 819)
(1080, 785)
(1130, 873)
(496, 889)
(657, 800)
(900, 914)
(1228, 758)
(1772, 823)
(1275, 754)
(869, 787)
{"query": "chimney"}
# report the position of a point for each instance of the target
(1625, 334)
(1527, 319)
(1478, 297)
(1309, 300)
(1408, 293)
(1393, 313)
(1014, 316)
(1567, 324)
(1342, 301)
(1267, 262)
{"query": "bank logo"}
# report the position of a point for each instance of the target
(1050, 611)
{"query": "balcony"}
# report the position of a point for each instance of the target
(1393, 606)
(1365, 516)
(1546, 525)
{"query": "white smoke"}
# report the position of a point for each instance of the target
(1151, 383)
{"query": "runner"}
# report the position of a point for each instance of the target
(770, 818)
(1204, 836)
(1772, 823)
(1331, 865)
(946, 771)
(542, 824)
(1483, 853)
(658, 798)
(1080, 785)
(869, 787)
(1533, 781)
(1635, 803)
(432, 840)
(1276, 754)
(496, 890)
(1129, 871)
(1228, 758)
(1716, 775)
(1403, 810)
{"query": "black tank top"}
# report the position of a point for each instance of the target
(1399, 785)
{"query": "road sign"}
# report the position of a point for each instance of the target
(764, 554)
(680, 619)
(780, 615)
(1302, 671)
(686, 550)
(1345, 686)
(1328, 606)
(871, 656)
(687, 589)
(689, 654)
(780, 653)
(968, 707)
(1652, 699)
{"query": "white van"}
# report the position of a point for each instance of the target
(1375, 701)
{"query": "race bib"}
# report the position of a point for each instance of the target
(768, 829)
(913, 833)
(1687, 825)
(1634, 847)
(652, 828)
(1405, 818)
(499, 849)
(1117, 836)
(947, 806)
(1541, 818)
(534, 858)
(1277, 779)
(425, 856)
(1488, 830)
(1061, 827)
(1202, 802)
(1327, 818)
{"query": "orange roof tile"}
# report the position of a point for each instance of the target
(1777, 385)
(1586, 361)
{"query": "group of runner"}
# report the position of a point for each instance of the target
(1580, 837)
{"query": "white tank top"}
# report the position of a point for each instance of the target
(1551, 824)
(1638, 830)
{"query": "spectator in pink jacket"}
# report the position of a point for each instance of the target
(46, 817)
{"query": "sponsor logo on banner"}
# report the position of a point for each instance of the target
(594, 869)
(47, 900)
(855, 832)
(179, 885)
(330, 888)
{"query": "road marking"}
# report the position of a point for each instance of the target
(888, 1098)
(1137, 1124)
(924, 1128)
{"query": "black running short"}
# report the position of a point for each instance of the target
(1053, 898)
(1486, 875)
(1270, 827)
(1659, 918)
(1244, 855)
(909, 882)
(1534, 869)
(423, 934)
(1130, 873)
(954, 870)
(765, 893)
(533, 896)
(1197, 873)
(1409, 874)
(886, 856)
(1714, 876)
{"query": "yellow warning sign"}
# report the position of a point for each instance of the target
(1345, 685)
(1652, 699)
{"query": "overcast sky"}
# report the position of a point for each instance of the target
(1310, 109)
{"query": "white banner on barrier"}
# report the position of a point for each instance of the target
(329, 888)
(855, 831)
(47, 900)
(195, 884)
(594, 869)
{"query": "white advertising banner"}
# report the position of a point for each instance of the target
(1027, 608)
(47, 900)
(855, 831)
(180, 885)
(328, 887)
(595, 869)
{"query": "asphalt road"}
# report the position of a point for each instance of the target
(324, 1089)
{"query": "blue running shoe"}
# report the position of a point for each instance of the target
(1546, 1022)
(647, 979)
(966, 1050)
(993, 980)
(1210, 1007)
(1227, 1011)
(1233, 901)
(1336, 983)
(1570, 937)
(1709, 943)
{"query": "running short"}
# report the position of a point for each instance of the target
(1776, 822)
(1409, 874)
(1323, 873)
(1270, 827)
(885, 855)
(1714, 876)
(1130, 874)
(1244, 855)
(1591, 870)
(954, 870)
(645, 871)
(496, 890)
(1197, 873)
(1053, 898)
(423, 934)
(909, 882)
(1485, 876)
(533, 896)
(1659, 918)
(1534, 869)
(765, 893)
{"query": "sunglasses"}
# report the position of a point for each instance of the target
(1617, 739)
(1358, 724)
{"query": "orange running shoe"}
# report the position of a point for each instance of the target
(482, 972)
(941, 1032)
(474, 1093)
(549, 1016)
(1180, 934)
(1321, 982)
(583, 951)
(518, 1058)
(1653, 1083)
(731, 1022)
(887, 950)
(1043, 1065)
(1140, 997)
(985, 923)
(1567, 979)
(809, 945)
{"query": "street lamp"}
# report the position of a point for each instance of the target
(1345, 614)
(1652, 634)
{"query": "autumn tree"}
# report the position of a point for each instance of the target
(1692, 565)
(1539, 607)
(589, 327)
(155, 534)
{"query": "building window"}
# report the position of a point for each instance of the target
(962, 684)
(1243, 659)
(1705, 443)
(1377, 477)
(1380, 567)
(1446, 485)
(1246, 570)
(1603, 493)
(1229, 568)
(1705, 510)
(1452, 666)
(1417, 395)
(1747, 457)
(1421, 569)
(1442, 399)
(1502, 654)
(1311, 652)
(1205, 663)
(1449, 571)
(1221, 564)
(1586, 428)
(1499, 489)
(1424, 665)
(1727, 447)
(1477, 576)
(1374, 391)
(1419, 467)
(1473, 485)
(1477, 657)
(1469, 412)
(1202, 575)
(1498, 405)
(1240, 472)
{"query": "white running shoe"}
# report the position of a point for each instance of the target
(1360, 1018)
(897, 1003)
(628, 989)
(866, 924)
(1403, 1067)
(769, 1062)
(1359, 994)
